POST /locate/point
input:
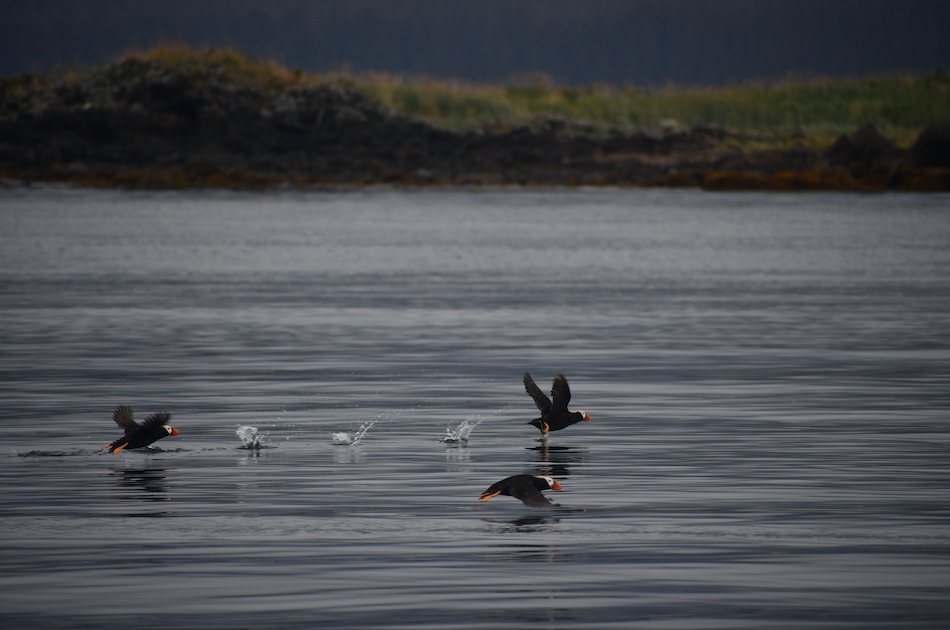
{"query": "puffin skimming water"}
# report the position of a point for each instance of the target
(154, 428)
(554, 415)
(525, 488)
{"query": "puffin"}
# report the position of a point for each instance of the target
(154, 428)
(554, 415)
(526, 488)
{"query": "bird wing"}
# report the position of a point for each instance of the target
(157, 420)
(543, 402)
(560, 392)
(529, 495)
(492, 491)
(498, 487)
(123, 417)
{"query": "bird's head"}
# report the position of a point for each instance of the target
(172, 431)
(551, 483)
(584, 415)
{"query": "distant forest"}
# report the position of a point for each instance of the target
(620, 42)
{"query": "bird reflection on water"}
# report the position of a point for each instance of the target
(145, 485)
(142, 484)
(557, 460)
(532, 522)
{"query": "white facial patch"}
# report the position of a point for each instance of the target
(547, 479)
(167, 428)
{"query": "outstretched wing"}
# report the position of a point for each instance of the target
(123, 417)
(560, 392)
(529, 495)
(543, 402)
(492, 491)
(157, 420)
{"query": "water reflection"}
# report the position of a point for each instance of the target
(527, 552)
(251, 455)
(349, 455)
(545, 610)
(524, 522)
(457, 454)
(556, 461)
(146, 485)
(544, 617)
(532, 522)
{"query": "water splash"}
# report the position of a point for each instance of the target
(461, 432)
(352, 439)
(250, 438)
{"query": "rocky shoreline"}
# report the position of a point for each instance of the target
(143, 124)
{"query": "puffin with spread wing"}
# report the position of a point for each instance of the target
(554, 414)
(154, 428)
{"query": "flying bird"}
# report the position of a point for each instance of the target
(554, 415)
(525, 488)
(154, 428)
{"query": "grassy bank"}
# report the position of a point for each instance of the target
(173, 117)
(819, 109)
(813, 111)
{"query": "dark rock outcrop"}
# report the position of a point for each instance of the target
(863, 150)
(932, 148)
(143, 122)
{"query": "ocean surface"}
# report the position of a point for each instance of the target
(768, 378)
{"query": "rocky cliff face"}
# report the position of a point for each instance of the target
(142, 122)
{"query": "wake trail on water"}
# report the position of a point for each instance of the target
(148, 450)
(75, 453)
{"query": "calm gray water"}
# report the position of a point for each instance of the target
(768, 375)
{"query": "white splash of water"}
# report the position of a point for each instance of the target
(250, 437)
(351, 439)
(461, 432)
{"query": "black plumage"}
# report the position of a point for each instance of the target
(554, 414)
(154, 428)
(525, 488)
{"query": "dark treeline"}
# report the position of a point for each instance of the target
(638, 42)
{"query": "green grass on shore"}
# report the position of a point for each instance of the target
(813, 110)
(816, 109)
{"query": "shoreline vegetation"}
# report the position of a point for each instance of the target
(174, 117)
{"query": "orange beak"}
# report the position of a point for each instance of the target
(174, 432)
(556, 486)
(487, 495)
(586, 417)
